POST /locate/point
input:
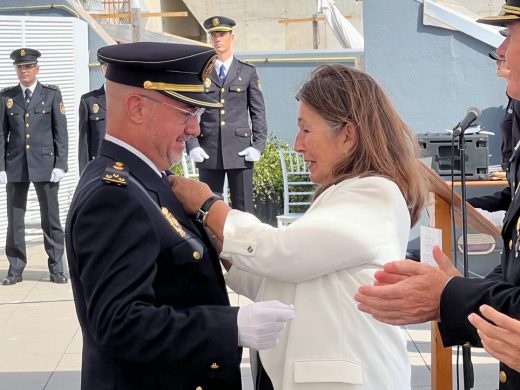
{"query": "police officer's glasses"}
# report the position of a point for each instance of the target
(196, 113)
(25, 67)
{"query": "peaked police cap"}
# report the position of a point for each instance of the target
(176, 70)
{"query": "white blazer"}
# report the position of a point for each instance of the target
(317, 263)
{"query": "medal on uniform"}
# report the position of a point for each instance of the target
(9, 103)
(173, 221)
(95, 108)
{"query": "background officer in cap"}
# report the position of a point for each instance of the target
(408, 292)
(33, 148)
(147, 284)
(92, 112)
(227, 143)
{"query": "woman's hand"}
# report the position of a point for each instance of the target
(191, 193)
(500, 337)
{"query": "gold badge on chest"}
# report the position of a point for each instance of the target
(9, 103)
(173, 221)
(95, 108)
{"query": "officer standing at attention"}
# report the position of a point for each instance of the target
(33, 149)
(92, 111)
(149, 291)
(227, 143)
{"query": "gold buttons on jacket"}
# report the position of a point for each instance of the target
(502, 377)
(196, 255)
(27, 115)
(27, 135)
(222, 112)
(238, 89)
(222, 123)
(27, 146)
(43, 111)
(27, 125)
(222, 89)
(222, 101)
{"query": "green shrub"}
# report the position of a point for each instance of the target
(267, 173)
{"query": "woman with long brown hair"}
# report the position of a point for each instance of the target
(364, 158)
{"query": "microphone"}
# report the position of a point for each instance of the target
(471, 116)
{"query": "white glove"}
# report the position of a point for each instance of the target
(250, 154)
(3, 177)
(57, 174)
(261, 324)
(198, 154)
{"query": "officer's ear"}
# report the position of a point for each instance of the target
(135, 107)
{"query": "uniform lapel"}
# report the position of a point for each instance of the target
(18, 97)
(214, 77)
(37, 96)
(515, 203)
(232, 71)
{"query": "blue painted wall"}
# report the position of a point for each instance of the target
(432, 75)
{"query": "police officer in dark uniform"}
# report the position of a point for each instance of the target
(33, 149)
(92, 112)
(148, 287)
(228, 144)
(510, 130)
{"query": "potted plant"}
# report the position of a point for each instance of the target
(268, 182)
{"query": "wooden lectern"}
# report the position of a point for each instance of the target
(441, 375)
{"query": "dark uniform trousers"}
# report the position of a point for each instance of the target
(92, 123)
(226, 131)
(148, 287)
(500, 289)
(34, 142)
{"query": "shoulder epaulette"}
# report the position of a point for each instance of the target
(7, 89)
(246, 63)
(50, 86)
(116, 174)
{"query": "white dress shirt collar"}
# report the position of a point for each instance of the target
(133, 150)
(31, 88)
(227, 64)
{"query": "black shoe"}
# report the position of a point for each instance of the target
(59, 278)
(12, 279)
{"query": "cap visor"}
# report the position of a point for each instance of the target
(494, 56)
(500, 21)
(25, 62)
(193, 99)
(220, 28)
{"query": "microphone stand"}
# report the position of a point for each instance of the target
(467, 365)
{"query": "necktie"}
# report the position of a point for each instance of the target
(222, 74)
(165, 179)
(28, 95)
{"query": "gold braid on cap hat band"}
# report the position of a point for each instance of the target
(173, 87)
(511, 9)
